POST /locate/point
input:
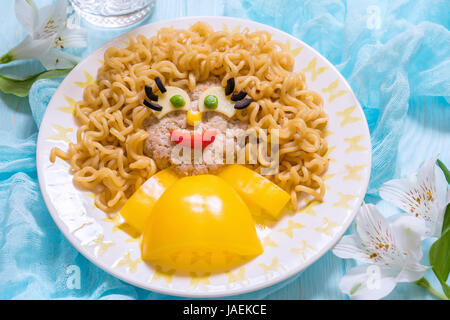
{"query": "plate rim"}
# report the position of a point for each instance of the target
(202, 294)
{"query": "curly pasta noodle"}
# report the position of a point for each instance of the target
(108, 157)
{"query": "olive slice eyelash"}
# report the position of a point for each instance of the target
(160, 85)
(150, 94)
(230, 86)
(153, 106)
(238, 96)
(243, 103)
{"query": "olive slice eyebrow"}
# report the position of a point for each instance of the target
(238, 96)
(160, 85)
(150, 94)
(230, 86)
(242, 104)
(153, 106)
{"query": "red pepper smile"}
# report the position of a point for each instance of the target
(193, 139)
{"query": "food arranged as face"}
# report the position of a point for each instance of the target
(203, 119)
(213, 98)
(160, 102)
(199, 214)
(163, 100)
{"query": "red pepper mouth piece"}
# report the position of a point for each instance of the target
(193, 139)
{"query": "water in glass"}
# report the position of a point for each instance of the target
(113, 13)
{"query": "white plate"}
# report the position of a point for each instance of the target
(290, 246)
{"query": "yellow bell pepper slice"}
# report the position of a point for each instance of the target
(138, 208)
(200, 224)
(256, 189)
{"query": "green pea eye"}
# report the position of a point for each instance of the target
(211, 102)
(177, 101)
(214, 99)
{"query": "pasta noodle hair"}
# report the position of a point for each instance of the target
(108, 155)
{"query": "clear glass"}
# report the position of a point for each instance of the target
(113, 13)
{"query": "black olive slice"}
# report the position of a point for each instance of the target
(150, 94)
(160, 85)
(153, 106)
(238, 96)
(230, 86)
(242, 104)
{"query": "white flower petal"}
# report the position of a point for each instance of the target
(60, 13)
(45, 15)
(71, 38)
(349, 247)
(56, 59)
(432, 175)
(31, 49)
(395, 191)
(27, 14)
(372, 226)
(435, 228)
(411, 272)
(368, 282)
(394, 252)
(48, 30)
(52, 19)
(426, 171)
(377, 238)
(408, 233)
(423, 198)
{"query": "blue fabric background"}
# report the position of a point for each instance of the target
(395, 55)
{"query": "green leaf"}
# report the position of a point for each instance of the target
(444, 169)
(21, 87)
(440, 250)
(6, 58)
(440, 255)
(423, 283)
(446, 223)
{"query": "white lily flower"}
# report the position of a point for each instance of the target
(48, 32)
(423, 195)
(392, 253)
